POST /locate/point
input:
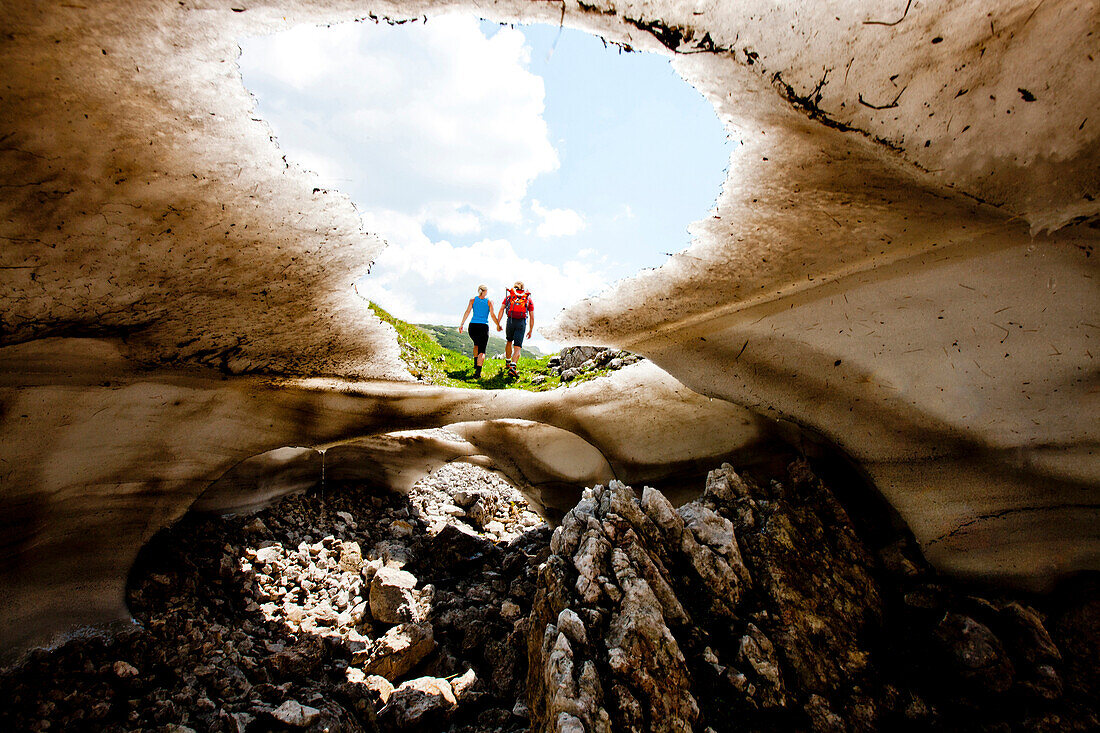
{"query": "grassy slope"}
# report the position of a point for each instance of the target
(433, 363)
(449, 338)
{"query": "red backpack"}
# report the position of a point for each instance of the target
(516, 303)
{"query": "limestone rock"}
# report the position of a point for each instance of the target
(420, 701)
(377, 686)
(393, 596)
(650, 581)
(295, 715)
(976, 655)
(351, 557)
(397, 651)
(124, 670)
(573, 356)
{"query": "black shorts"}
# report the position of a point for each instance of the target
(513, 330)
(479, 334)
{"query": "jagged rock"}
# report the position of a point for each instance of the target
(466, 499)
(652, 579)
(821, 715)
(124, 670)
(376, 686)
(420, 701)
(481, 511)
(463, 684)
(509, 610)
(457, 545)
(351, 557)
(975, 654)
(300, 660)
(570, 624)
(393, 596)
(573, 356)
(256, 526)
(757, 653)
(391, 552)
(397, 651)
(576, 697)
(1025, 629)
(643, 652)
(295, 715)
(566, 723)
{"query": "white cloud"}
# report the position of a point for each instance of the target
(432, 125)
(556, 222)
(427, 281)
(434, 121)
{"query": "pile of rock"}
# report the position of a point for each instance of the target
(758, 608)
(338, 610)
(574, 361)
(472, 499)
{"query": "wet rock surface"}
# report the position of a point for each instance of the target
(761, 605)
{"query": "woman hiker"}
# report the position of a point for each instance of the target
(482, 309)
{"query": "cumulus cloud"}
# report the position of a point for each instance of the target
(427, 126)
(556, 222)
(430, 281)
(443, 124)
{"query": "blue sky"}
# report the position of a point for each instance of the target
(487, 153)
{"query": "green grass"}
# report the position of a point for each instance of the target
(429, 361)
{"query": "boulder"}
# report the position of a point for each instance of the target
(418, 702)
(295, 715)
(397, 651)
(351, 557)
(974, 653)
(573, 356)
(376, 686)
(462, 684)
(393, 596)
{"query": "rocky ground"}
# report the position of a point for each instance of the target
(336, 610)
(763, 605)
(760, 607)
(580, 361)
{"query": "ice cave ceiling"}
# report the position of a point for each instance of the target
(898, 267)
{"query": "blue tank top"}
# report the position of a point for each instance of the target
(481, 311)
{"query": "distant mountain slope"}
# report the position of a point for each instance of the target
(432, 363)
(449, 338)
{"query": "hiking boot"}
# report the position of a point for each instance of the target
(512, 369)
(477, 372)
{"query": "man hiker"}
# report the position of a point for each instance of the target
(518, 305)
(482, 309)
